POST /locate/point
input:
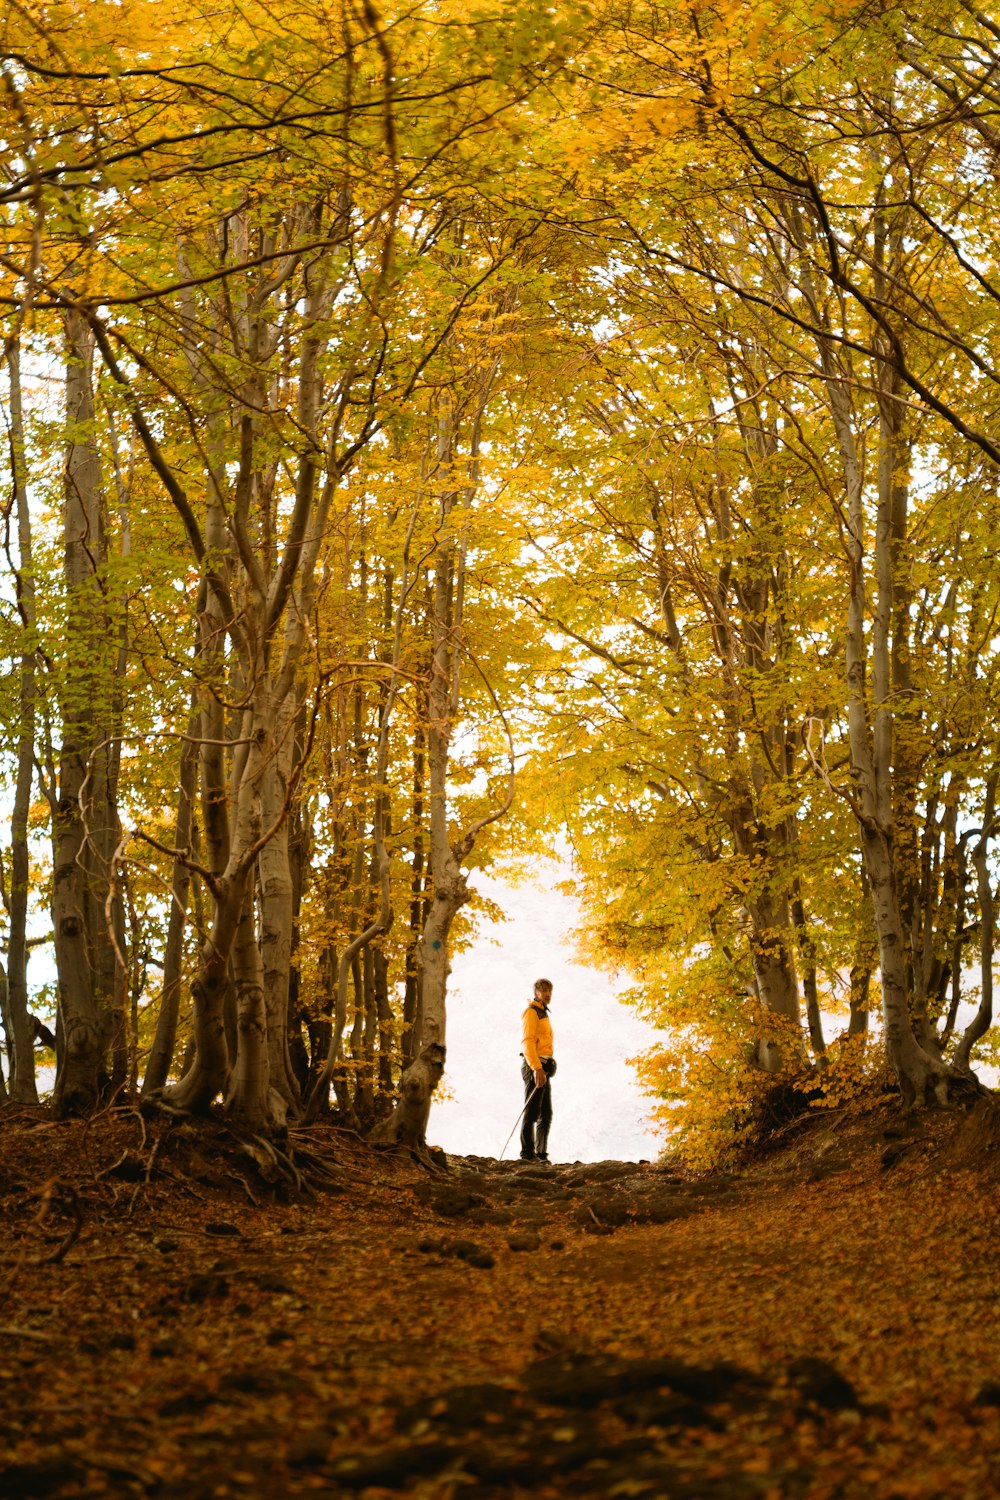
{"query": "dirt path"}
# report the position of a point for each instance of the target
(822, 1325)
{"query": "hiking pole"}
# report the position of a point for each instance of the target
(520, 1117)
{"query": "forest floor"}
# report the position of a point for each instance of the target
(180, 1320)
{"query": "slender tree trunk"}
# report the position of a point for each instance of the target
(299, 857)
(162, 1053)
(959, 937)
(357, 1033)
(249, 1099)
(418, 904)
(771, 942)
(380, 963)
(5, 1014)
(277, 907)
(407, 1125)
(870, 740)
(807, 949)
(918, 1073)
(21, 1056)
(777, 985)
(247, 1094)
(82, 1025)
(861, 978)
(983, 1019)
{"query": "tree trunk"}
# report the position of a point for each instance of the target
(248, 1097)
(983, 1019)
(777, 985)
(861, 979)
(407, 1125)
(277, 907)
(418, 905)
(380, 963)
(21, 1056)
(161, 1056)
(74, 904)
(870, 739)
(369, 1035)
(807, 949)
(206, 1076)
(771, 940)
(8, 1031)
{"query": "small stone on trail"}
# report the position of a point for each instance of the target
(460, 1408)
(202, 1288)
(269, 1282)
(498, 1216)
(31, 1481)
(823, 1385)
(467, 1250)
(263, 1382)
(130, 1168)
(309, 1448)
(462, 1248)
(449, 1202)
(663, 1206)
(607, 1207)
(221, 1227)
(482, 1258)
(528, 1239)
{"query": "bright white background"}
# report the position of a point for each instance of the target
(599, 1111)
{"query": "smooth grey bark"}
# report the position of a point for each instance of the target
(162, 1051)
(369, 1035)
(205, 1077)
(919, 1073)
(249, 1095)
(277, 905)
(8, 1032)
(21, 1059)
(82, 1014)
(418, 901)
(380, 980)
(983, 1019)
(776, 980)
(757, 586)
(807, 949)
(860, 980)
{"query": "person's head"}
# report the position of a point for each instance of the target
(543, 990)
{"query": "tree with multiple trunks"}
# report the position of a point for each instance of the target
(262, 234)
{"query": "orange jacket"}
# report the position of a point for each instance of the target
(536, 1036)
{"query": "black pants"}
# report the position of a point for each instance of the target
(537, 1116)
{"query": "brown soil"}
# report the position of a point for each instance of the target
(185, 1315)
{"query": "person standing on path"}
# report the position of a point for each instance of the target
(537, 1068)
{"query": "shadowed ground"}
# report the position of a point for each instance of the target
(188, 1316)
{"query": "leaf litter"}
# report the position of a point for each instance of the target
(189, 1315)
